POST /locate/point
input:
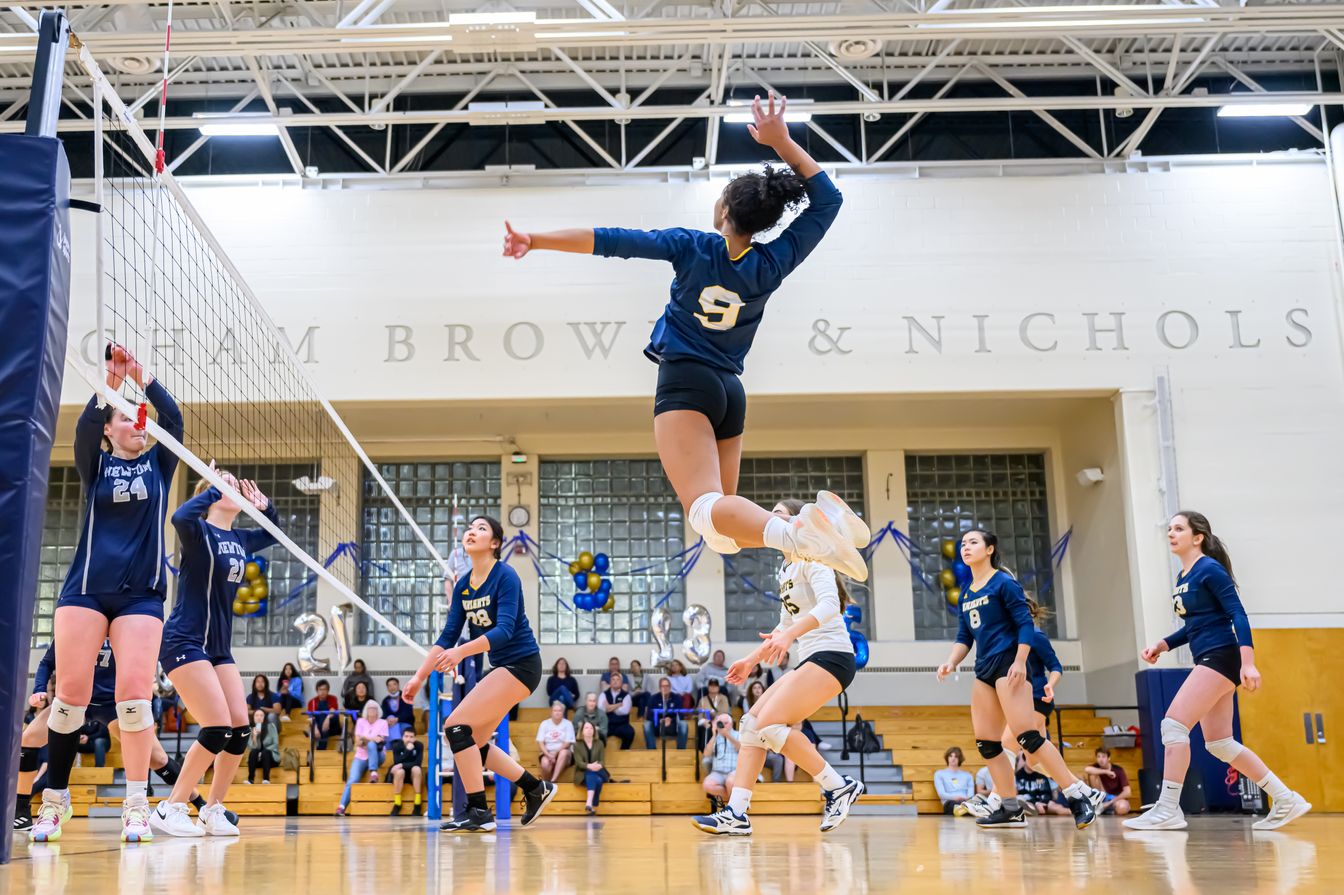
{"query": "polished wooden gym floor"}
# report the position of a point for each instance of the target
(655, 855)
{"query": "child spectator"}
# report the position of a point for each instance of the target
(263, 748)
(325, 726)
(555, 740)
(660, 706)
(589, 769)
(407, 753)
(616, 703)
(953, 783)
(397, 712)
(561, 686)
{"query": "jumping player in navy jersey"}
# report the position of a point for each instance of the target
(995, 619)
(196, 652)
(1219, 635)
(488, 600)
(722, 283)
(114, 590)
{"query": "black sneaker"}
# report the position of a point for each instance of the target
(396, 809)
(538, 799)
(417, 810)
(23, 823)
(475, 820)
(1083, 812)
(1003, 818)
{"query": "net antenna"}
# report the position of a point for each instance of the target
(167, 291)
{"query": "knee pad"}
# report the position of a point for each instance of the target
(702, 523)
(136, 714)
(1031, 741)
(214, 739)
(460, 738)
(1174, 733)
(748, 735)
(1226, 749)
(30, 759)
(989, 748)
(238, 741)
(775, 736)
(65, 718)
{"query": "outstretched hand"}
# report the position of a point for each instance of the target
(249, 490)
(120, 364)
(768, 127)
(516, 244)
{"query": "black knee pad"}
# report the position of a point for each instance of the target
(214, 739)
(30, 759)
(460, 738)
(1031, 741)
(238, 742)
(989, 748)
(485, 753)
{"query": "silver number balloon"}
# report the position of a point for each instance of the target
(340, 632)
(696, 646)
(660, 622)
(314, 630)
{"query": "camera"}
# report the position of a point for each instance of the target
(720, 725)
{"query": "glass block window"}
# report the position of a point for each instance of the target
(60, 538)
(626, 509)
(949, 494)
(401, 579)
(299, 518)
(768, 480)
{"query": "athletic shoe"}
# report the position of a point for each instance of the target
(844, 518)
(1004, 818)
(23, 823)
(476, 820)
(135, 812)
(838, 803)
(231, 817)
(974, 806)
(820, 541)
(396, 809)
(1083, 812)
(172, 818)
(55, 811)
(215, 820)
(417, 810)
(538, 800)
(1097, 798)
(1283, 811)
(824, 746)
(1159, 817)
(725, 822)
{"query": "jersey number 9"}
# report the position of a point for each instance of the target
(720, 308)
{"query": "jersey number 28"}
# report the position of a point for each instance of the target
(720, 308)
(123, 489)
(479, 617)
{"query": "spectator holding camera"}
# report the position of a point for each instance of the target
(720, 753)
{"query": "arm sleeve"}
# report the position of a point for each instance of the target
(1224, 591)
(656, 245)
(798, 240)
(452, 628)
(822, 580)
(170, 418)
(254, 539)
(1178, 638)
(508, 602)
(1041, 646)
(89, 441)
(964, 635)
(1015, 602)
(187, 518)
(940, 785)
(44, 669)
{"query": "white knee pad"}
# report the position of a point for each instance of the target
(65, 718)
(702, 523)
(1225, 749)
(775, 735)
(1174, 733)
(135, 714)
(748, 735)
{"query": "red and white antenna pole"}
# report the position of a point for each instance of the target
(163, 93)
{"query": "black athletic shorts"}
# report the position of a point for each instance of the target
(1226, 660)
(685, 384)
(840, 665)
(995, 667)
(102, 712)
(1042, 707)
(527, 670)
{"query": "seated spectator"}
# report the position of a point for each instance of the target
(755, 690)
(616, 703)
(639, 687)
(720, 753)
(94, 739)
(360, 696)
(261, 696)
(561, 686)
(757, 674)
(407, 753)
(263, 748)
(589, 769)
(666, 724)
(614, 667)
(953, 783)
(590, 711)
(716, 667)
(397, 712)
(290, 690)
(1035, 790)
(358, 674)
(370, 740)
(716, 703)
(555, 739)
(682, 685)
(1111, 779)
(325, 726)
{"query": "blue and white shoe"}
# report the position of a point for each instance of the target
(724, 822)
(838, 803)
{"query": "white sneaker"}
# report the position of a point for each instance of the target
(820, 541)
(825, 746)
(1283, 811)
(838, 803)
(1159, 817)
(215, 821)
(845, 519)
(51, 816)
(135, 813)
(172, 818)
(976, 806)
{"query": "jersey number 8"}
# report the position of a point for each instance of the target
(720, 307)
(479, 617)
(975, 618)
(123, 489)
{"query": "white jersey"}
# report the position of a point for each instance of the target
(809, 588)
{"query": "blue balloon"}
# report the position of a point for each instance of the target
(261, 610)
(853, 614)
(860, 644)
(601, 563)
(581, 580)
(604, 589)
(580, 598)
(962, 571)
(261, 563)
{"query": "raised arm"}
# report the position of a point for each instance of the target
(254, 539)
(187, 518)
(89, 441)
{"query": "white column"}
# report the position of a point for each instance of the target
(893, 599)
(521, 487)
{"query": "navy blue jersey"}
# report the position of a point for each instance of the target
(717, 300)
(995, 618)
(1040, 662)
(1206, 598)
(121, 533)
(211, 571)
(494, 609)
(104, 675)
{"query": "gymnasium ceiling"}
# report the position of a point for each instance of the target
(397, 87)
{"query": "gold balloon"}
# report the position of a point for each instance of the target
(610, 604)
(585, 561)
(239, 607)
(260, 589)
(953, 596)
(251, 571)
(594, 582)
(575, 568)
(949, 548)
(244, 593)
(947, 578)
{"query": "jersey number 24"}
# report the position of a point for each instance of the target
(122, 490)
(720, 308)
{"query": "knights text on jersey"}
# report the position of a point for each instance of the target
(995, 618)
(809, 588)
(495, 610)
(120, 547)
(1206, 599)
(717, 301)
(104, 674)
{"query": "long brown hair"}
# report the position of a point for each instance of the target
(1039, 614)
(1212, 547)
(795, 506)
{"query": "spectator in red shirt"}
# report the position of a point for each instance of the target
(322, 727)
(1111, 779)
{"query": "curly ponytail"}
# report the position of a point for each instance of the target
(756, 202)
